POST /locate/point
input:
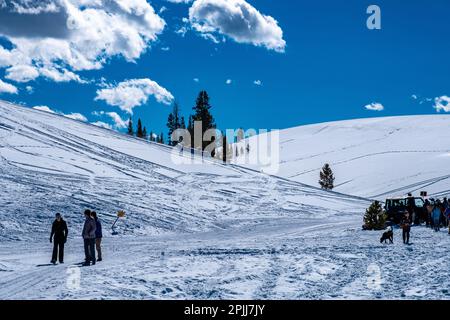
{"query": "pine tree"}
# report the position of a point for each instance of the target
(182, 123)
(130, 128)
(161, 138)
(171, 124)
(174, 122)
(375, 217)
(152, 138)
(144, 133)
(139, 133)
(326, 178)
(202, 113)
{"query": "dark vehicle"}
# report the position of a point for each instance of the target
(396, 207)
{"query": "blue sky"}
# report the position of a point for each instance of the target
(330, 68)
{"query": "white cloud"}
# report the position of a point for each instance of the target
(22, 73)
(238, 20)
(442, 104)
(210, 37)
(118, 121)
(7, 88)
(76, 116)
(44, 108)
(58, 38)
(196, 80)
(29, 7)
(60, 75)
(229, 81)
(165, 48)
(180, 1)
(374, 106)
(182, 31)
(132, 93)
(257, 82)
(102, 124)
(29, 89)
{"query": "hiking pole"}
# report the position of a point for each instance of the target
(120, 214)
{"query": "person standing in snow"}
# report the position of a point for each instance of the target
(445, 204)
(98, 236)
(405, 224)
(436, 215)
(88, 235)
(59, 237)
(430, 213)
(447, 214)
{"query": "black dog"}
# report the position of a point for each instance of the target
(388, 235)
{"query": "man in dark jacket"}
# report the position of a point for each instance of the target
(60, 232)
(98, 236)
(405, 224)
(88, 235)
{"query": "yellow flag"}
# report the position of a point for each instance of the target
(121, 214)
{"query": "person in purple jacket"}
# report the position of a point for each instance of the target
(98, 236)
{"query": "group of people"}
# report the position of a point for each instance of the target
(437, 216)
(92, 237)
(438, 213)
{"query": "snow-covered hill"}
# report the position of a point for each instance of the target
(203, 231)
(373, 157)
(49, 163)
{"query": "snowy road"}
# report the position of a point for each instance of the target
(287, 259)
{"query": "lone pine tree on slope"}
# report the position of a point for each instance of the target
(375, 217)
(326, 178)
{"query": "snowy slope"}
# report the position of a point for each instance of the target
(373, 157)
(49, 163)
(192, 231)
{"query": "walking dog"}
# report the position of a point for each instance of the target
(388, 235)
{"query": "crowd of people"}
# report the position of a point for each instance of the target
(435, 214)
(92, 238)
(438, 213)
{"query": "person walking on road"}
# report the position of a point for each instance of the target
(58, 236)
(88, 235)
(98, 236)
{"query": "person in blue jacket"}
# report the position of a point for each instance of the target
(436, 214)
(98, 236)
